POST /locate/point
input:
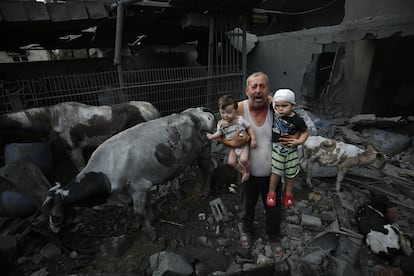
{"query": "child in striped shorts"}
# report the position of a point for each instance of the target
(289, 131)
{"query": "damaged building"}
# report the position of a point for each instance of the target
(347, 54)
(349, 63)
(357, 56)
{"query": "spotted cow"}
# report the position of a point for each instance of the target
(74, 125)
(138, 158)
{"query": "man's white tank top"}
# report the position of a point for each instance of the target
(261, 156)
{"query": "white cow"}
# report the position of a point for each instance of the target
(331, 153)
(141, 156)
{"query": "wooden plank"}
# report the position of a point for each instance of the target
(341, 212)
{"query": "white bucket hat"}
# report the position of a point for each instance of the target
(285, 95)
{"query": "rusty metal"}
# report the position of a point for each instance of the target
(172, 223)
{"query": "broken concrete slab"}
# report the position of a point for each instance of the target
(396, 172)
(350, 135)
(219, 210)
(373, 120)
(164, 263)
(311, 222)
(388, 142)
(362, 118)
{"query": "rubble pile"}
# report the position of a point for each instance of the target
(201, 236)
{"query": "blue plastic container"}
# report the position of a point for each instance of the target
(16, 204)
(39, 153)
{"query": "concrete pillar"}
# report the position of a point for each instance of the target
(357, 67)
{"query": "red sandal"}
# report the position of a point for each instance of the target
(288, 200)
(271, 199)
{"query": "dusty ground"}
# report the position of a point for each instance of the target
(86, 243)
(108, 239)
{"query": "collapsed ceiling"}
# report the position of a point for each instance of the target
(92, 24)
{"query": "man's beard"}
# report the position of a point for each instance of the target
(259, 105)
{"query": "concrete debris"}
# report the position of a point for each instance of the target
(388, 142)
(362, 118)
(119, 245)
(164, 263)
(350, 135)
(397, 172)
(319, 233)
(51, 251)
(311, 222)
(372, 119)
(219, 210)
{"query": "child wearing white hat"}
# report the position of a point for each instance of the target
(289, 131)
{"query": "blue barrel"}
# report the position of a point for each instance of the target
(16, 204)
(39, 153)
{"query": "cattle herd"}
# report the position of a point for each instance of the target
(135, 149)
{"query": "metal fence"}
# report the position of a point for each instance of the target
(169, 89)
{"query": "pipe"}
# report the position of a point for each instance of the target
(118, 35)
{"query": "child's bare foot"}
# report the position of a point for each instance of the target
(245, 177)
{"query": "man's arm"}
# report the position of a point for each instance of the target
(295, 139)
(237, 140)
(253, 143)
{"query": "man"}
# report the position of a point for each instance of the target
(256, 111)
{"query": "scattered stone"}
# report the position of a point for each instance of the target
(210, 246)
(163, 263)
(311, 222)
(73, 254)
(292, 219)
(41, 272)
(328, 216)
(119, 245)
(51, 251)
(294, 230)
(263, 260)
(362, 117)
(219, 210)
(316, 257)
(202, 216)
(350, 136)
(314, 196)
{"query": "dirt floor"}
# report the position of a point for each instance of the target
(109, 239)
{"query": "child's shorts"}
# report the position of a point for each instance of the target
(285, 160)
